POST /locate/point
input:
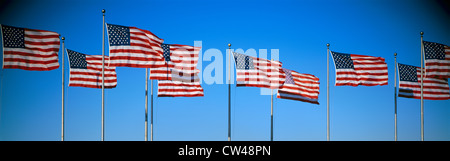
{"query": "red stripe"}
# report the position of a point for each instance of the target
(298, 99)
(30, 68)
(361, 83)
(362, 79)
(166, 95)
(90, 86)
(42, 36)
(298, 94)
(136, 65)
(30, 61)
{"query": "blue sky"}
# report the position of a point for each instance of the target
(30, 101)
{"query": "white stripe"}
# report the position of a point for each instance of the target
(40, 33)
(42, 39)
(31, 57)
(31, 65)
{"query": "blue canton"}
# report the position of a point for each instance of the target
(118, 35)
(289, 79)
(13, 37)
(166, 49)
(407, 73)
(243, 61)
(342, 61)
(434, 50)
(77, 60)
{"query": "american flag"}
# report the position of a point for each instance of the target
(86, 71)
(301, 87)
(180, 59)
(409, 84)
(354, 70)
(29, 49)
(134, 47)
(258, 72)
(180, 86)
(437, 60)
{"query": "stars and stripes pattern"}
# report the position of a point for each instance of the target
(258, 72)
(29, 49)
(180, 60)
(437, 60)
(301, 87)
(134, 47)
(354, 70)
(409, 84)
(180, 86)
(86, 71)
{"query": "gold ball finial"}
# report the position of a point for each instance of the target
(229, 45)
(395, 54)
(421, 32)
(103, 11)
(63, 38)
(328, 45)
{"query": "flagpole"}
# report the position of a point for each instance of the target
(271, 114)
(229, 93)
(146, 104)
(103, 76)
(62, 104)
(421, 87)
(328, 92)
(395, 95)
(151, 110)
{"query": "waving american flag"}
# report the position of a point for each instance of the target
(29, 49)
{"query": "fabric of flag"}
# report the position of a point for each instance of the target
(354, 70)
(180, 60)
(258, 72)
(86, 71)
(437, 60)
(180, 86)
(134, 47)
(29, 49)
(301, 87)
(409, 84)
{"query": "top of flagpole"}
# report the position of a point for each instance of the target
(103, 10)
(63, 38)
(328, 45)
(395, 54)
(421, 33)
(229, 45)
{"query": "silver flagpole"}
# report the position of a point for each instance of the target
(146, 104)
(151, 110)
(103, 77)
(421, 87)
(271, 114)
(62, 104)
(395, 96)
(328, 92)
(229, 94)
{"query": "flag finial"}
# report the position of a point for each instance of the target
(103, 11)
(395, 54)
(421, 33)
(328, 45)
(63, 38)
(229, 45)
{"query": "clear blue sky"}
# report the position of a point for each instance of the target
(31, 101)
